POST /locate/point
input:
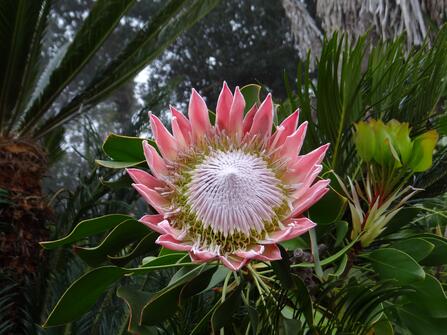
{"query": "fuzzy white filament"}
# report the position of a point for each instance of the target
(234, 192)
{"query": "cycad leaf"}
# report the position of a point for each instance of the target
(175, 18)
(101, 21)
(18, 23)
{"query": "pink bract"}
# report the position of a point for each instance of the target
(231, 191)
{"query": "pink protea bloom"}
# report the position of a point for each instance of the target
(232, 191)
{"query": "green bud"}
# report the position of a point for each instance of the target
(390, 145)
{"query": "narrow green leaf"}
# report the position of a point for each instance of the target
(198, 329)
(173, 19)
(88, 228)
(304, 300)
(100, 22)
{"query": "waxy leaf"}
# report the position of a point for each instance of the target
(417, 248)
(122, 235)
(125, 148)
(83, 294)
(88, 228)
(439, 254)
(146, 244)
(391, 263)
(136, 300)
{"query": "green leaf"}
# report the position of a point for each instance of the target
(417, 248)
(282, 270)
(164, 303)
(88, 228)
(224, 312)
(439, 254)
(251, 95)
(197, 284)
(422, 154)
(123, 182)
(125, 148)
(176, 17)
(329, 259)
(117, 165)
(145, 245)
(341, 228)
(122, 235)
(383, 327)
(289, 326)
(329, 209)
(429, 297)
(391, 263)
(341, 267)
(303, 298)
(136, 300)
(82, 294)
(162, 260)
(295, 243)
(101, 21)
(204, 321)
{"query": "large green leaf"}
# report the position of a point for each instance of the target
(88, 228)
(391, 263)
(82, 294)
(100, 22)
(121, 236)
(125, 148)
(439, 254)
(417, 248)
(429, 297)
(174, 18)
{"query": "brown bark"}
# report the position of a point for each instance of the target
(23, 222)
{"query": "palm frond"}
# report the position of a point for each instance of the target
(101, 21)
(18, 22)
(150, 42)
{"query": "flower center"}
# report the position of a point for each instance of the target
(234, 192)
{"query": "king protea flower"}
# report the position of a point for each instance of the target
(231, 191)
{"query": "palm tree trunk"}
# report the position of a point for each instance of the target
(22, 225)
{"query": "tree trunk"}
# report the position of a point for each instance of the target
(23, 218)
